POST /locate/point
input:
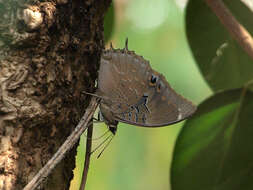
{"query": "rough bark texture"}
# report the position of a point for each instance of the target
(49, 54)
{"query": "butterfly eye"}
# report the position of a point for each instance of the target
(153, 80)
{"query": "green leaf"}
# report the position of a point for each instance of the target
(223, 63)
(214, 149)
(109, 23)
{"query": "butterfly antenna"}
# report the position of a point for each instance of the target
(101, 97)
(95, 120)
(97, 138)
(126, 44)
(106, 145)
(92, 94)
(100, 144)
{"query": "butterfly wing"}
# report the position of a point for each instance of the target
(137, 94)
(161, 106)
(119, 79)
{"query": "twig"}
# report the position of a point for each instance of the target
(66, 146)
(87, 158)
(237, 31)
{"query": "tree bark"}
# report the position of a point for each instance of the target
(49, 54)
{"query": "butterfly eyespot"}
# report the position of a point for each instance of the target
(153, 80)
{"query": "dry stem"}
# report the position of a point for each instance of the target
(66, 146)
(237, 31)
(87, 158)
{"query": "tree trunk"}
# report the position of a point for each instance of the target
(49, 54)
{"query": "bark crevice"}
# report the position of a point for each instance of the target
(44, 68)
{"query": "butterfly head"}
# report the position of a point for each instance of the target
(106, 115)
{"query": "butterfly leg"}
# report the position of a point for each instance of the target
(95, 120)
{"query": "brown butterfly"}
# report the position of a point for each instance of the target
(132, 92)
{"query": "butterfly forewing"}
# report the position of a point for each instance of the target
(119, 79)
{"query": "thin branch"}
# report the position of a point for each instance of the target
(237, 31)
(87, 158)
(66, 146)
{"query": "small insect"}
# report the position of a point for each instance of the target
(132, 92)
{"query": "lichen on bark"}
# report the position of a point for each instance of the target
(49, 54)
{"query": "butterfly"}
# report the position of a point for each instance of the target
(132, 92)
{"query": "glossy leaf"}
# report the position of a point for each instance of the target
(214, 149)
(109, 23)
(223, 63)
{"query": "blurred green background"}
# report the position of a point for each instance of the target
(140, 158)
